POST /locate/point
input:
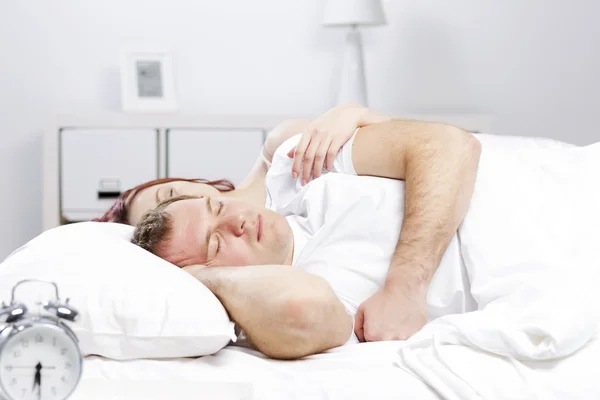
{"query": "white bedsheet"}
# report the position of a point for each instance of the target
(360, 371)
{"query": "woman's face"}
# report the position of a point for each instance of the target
(148, 198)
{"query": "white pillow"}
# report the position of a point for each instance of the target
(132, 304)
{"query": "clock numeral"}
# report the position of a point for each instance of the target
(53, 390)
(8, 368)
(17, 354)
(24, 343)
(63, 378)
(53, 342)
(39, 338)
(13, 382)
(68, 365)
(63, 351)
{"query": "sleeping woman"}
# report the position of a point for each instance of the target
(321, 140)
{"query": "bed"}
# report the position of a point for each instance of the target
(533, 336)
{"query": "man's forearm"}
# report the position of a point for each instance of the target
(285, 312)
(440, 170)
(438, 163)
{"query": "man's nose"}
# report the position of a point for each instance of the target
(234, 224)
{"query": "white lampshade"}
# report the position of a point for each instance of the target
(353, 12)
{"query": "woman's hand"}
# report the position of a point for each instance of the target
(324, 137)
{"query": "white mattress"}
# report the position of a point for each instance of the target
(360, 371)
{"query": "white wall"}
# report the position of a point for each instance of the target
(531, 64)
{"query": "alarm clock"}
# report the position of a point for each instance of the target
(40, 357)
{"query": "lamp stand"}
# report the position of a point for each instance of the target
(352, 87)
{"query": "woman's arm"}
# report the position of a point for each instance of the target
(285, 312)
(321, 140)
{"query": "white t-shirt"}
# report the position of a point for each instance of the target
(346, 228)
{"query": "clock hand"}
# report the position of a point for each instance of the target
(38, 375)
(38, 379)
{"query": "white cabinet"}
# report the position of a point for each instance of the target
(96, 165)
(213, 153)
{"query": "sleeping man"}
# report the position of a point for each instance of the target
(346, 257)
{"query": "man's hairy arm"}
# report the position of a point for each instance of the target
(285, 312)
(438, 163)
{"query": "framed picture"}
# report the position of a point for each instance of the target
(147, 81)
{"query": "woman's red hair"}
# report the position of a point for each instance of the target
(119, 211)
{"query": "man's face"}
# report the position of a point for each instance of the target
(219, 231)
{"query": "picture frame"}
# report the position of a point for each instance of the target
(147, 81)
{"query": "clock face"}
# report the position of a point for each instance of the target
(40, 362)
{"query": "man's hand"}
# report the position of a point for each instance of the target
(395, 312)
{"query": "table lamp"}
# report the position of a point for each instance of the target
(352, 14)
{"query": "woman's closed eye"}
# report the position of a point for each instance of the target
(165, 194)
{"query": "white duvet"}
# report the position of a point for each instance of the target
(530, 243)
